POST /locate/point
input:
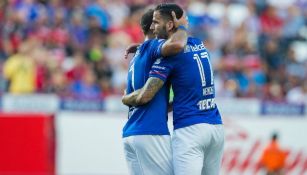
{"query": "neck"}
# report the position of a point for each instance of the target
(149, 36)
(146, 38)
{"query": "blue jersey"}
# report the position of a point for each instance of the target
(151, 118)
(191, 76)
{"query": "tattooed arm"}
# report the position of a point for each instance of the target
(145, 94)
(130, 99)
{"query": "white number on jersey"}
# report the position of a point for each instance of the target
(132, 76)
(201, 68)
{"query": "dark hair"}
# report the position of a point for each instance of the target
(166, 9)
(146, 21)
(274, 136)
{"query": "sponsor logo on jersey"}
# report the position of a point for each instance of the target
(208, 90)
(206, 104)
(158, 67)
(198, 47)
(158, 61)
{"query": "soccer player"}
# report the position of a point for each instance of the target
(198, 137)
(147, 143)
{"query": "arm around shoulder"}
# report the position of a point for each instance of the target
(177, 41)
(145, 94)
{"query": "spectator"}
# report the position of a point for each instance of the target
(58, 83)
(97, 10)
(41, 69)
(273, 157)
(106, 88)
(19, 70)
(59, 33)
(78, 31)
(297, 94)
(271, 23)
(132, 26)
(14, 31)
(86, 88)
(251, 55)
(294, 22)
(79, 67)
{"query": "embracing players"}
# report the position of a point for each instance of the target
(198, 138)
(147, 142)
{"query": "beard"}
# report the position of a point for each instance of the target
(162, 33)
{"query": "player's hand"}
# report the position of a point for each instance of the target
(131, 49)
(180, 22)
(125, 93)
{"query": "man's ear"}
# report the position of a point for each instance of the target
(170, 26)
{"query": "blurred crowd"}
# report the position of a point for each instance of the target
(75, 48)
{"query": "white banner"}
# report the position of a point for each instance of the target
(247, 137)
(90, 143)
(48, 103)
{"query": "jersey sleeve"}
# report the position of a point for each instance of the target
(156, 48)
(162, 68)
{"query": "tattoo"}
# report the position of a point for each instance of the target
(130, 99)
(152, 86)
(145, 94)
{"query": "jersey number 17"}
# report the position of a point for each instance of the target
(198, 58)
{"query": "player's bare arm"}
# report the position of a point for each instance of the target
(145, 94)
(130, 99)
(177, 40)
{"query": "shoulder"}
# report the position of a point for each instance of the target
(148, 44)
(152, 45)
(196, 44)
(155, 41)
(143, 47)
(194, 40)
(13, 59)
